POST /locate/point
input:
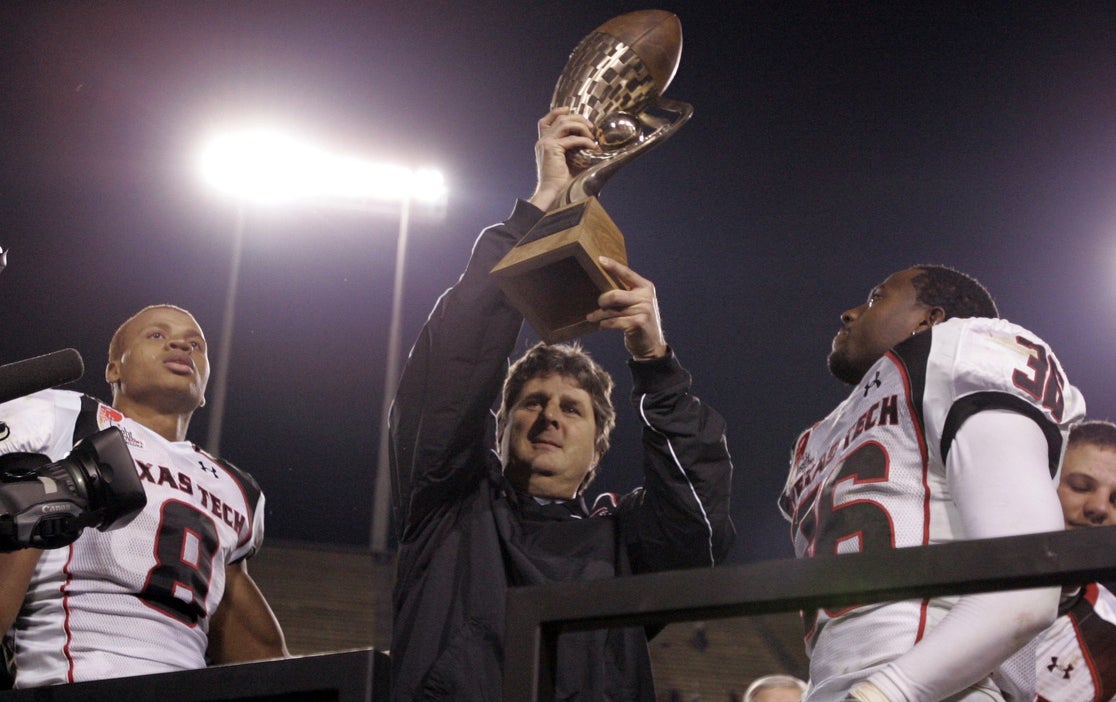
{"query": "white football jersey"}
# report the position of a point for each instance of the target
(138, 599)
(871, 475)
(1077, 655)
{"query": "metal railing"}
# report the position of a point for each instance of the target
(538, 614)
(359, 675)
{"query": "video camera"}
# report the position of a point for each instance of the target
(47, 505)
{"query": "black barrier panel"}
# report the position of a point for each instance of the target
(351, 676)
(537, 614)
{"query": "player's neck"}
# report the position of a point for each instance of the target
(171, 426)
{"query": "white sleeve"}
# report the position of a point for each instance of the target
(999, 475)
(40, 423)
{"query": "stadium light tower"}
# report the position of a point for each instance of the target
(263, 166)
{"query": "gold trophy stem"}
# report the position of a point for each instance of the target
(589, 182)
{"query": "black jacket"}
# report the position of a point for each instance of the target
(466, 536)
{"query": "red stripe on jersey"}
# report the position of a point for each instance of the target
(1087, 655)
(919, 432)
(66, 610)
(1092, 593)
(249, 506)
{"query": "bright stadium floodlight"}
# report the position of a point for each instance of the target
(265, 166)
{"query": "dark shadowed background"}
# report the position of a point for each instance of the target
(832, 143)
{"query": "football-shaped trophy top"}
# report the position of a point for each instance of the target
(655, 36)
(623, 66)
(615, 78)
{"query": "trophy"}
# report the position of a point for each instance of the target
(615, 78)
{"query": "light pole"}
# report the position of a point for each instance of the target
(263, 166)
(224, 350)
(381, 503)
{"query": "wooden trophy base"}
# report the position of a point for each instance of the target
(552, 275)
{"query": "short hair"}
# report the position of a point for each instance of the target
(116, 344)
(772, 682)
(959, 294)
(1096, 432)
(569, 361)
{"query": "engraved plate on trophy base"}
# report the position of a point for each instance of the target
(552, 275)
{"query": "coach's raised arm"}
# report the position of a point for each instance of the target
(483, 508)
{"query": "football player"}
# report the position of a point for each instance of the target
(953, 430)
(169, 591)
(1077, 656)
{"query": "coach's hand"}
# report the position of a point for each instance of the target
(634, 311)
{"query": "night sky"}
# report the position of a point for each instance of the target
(832, 143)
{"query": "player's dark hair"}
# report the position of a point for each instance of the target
(569, 361)
(960, 295)
(1096, 432)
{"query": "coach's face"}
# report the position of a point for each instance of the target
(891, 314)
(548, 444)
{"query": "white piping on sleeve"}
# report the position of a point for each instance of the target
(678, 464)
